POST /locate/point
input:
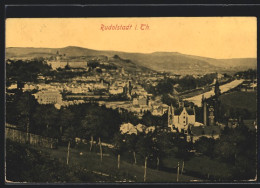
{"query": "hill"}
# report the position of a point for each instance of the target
(159, 61)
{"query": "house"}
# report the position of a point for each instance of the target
(159, 109)
(150, 129)
(180, 118)
(128, 128)
(114, 90)
(48, 97)
(140, 127)
(204, 131)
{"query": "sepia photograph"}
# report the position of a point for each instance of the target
(131, 100)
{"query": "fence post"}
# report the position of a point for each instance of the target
(182, 168)
(13, 134)
(145, 166)
(51, 143)
(20, 135)
(178, 170)
(68, 154)
(118, 161)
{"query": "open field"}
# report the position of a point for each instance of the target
(202, 166)
(127, 172)
(239, 99)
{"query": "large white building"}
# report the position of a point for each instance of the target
(48, 97)
(180, 118)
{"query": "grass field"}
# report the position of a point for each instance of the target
(203, 167)
(238, 99)
(127, 172)
(198, 168)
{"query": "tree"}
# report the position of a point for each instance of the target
(46, 120)
(205, 145)
(131, 144)
(119, 147)
(238, 147)
(183, 146)
(165, 87)
(25, 105)
(93, 125)
(66, 122)
(26, 71)
(166, 99)
(148, 119)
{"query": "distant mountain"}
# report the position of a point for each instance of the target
(159, 61)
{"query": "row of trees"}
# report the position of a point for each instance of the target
(25, 71)
(248, 74)
(25, 164)
(151, 148)
(236, 147)
(188, 82)
(83, 120)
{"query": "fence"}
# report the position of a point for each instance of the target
(33, 139)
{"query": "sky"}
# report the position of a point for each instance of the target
(215, 37)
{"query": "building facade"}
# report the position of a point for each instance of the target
(180, 118)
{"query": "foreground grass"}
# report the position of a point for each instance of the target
(127, 172)
(203, 167)
(25, 164)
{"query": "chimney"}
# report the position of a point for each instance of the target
(204, 113)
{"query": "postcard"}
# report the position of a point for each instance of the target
(131, 99)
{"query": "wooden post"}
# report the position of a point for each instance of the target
(27, 131)
(134, 157)
(51, 143)
(178, 170)
(145, 165)
(100, 147)
(91, 143)
(20, 137)
(158, 163)
(182, 168)
(68, 154)
(13, 135)
(118, 161)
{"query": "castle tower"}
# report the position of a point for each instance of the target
(211, 116)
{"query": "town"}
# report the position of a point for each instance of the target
(111, 103)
